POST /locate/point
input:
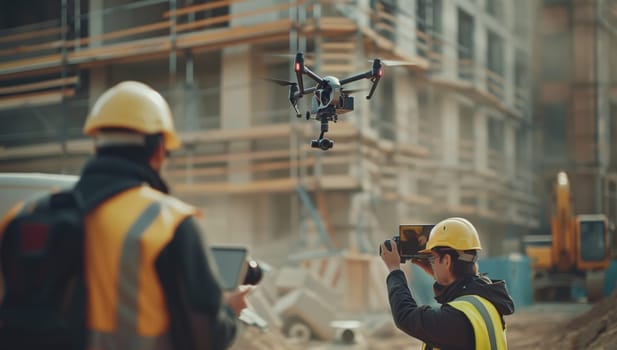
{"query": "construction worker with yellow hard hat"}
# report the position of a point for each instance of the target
(472, 305)
(147, 274)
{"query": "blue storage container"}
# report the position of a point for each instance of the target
(515, 269)
(610, 278)
(421, 285)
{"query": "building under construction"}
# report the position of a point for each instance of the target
(448, 134)
(576, 106)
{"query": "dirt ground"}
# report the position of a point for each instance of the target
(541, 326)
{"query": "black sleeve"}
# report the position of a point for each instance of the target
(199, 318)
(443, 327)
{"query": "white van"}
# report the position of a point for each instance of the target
(16, 187)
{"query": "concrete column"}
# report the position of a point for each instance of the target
(509, 149)
(480, 48)
(98, 78)
(236, 114)
(450, 130)
(481, 142)
(405, 32)
(509, 66)
(450, 33)
(405, 109)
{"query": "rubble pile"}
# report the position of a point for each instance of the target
(595, 329)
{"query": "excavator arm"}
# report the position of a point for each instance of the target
(563, 227)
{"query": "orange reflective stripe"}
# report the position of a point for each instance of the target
(10, 215)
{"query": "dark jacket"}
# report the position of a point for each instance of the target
(199, 319)
(444, 327)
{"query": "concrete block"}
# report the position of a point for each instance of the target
(303, 311)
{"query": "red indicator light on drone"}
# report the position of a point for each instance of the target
(380, 72)
(297, 67)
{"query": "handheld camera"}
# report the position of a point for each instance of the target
(411, 240)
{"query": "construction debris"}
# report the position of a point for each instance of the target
(595, 329)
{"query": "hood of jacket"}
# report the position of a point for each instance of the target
(104, 176)
(494, 291)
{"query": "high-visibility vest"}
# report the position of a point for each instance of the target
(126, 306)
(485, 320)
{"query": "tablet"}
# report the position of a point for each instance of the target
(231, 264)
(412, 239)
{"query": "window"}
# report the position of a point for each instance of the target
(495, 53)
(465, 45)
(521, 20)
(495, 134)
(522, 138)
(466, 134)
(421, 16)
(612, 135)
(556, 57)
(520, 70)
(592, 243)
(495, 8)
(554, 131)
(465, 35)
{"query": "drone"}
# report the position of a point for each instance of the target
(329, 97)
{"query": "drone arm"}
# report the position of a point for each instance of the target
(373, 87)
(299, 69)
(310, 90)
(376, 74)
(294, 95)
(356, 77)
(312, 74)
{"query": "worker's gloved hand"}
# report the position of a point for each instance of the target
(424, 264)
(237, 299)
(390, 255)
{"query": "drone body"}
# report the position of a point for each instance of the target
(330, 94)
(329, 98)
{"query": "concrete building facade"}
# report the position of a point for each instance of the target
(447, 134)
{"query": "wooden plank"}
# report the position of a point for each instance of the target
(37, 73)
(83, 146)
(233, 34)
(338, 182)
(32, 48)
(255, 168)
(201, 7)
(226, 157)
(34, 34)
(122, 50)
(261, 186)
(38, 86)
(223, 135)
(125, 32)
(33, 99)
(340, 46)
(28, 64)
(226, 18)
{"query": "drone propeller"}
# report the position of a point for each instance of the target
(392, 63)
(281, 82)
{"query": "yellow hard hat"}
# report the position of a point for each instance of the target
(134, 106)
(455, 233)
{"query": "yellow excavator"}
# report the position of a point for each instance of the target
(575, 255)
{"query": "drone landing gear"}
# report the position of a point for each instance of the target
(322, 142)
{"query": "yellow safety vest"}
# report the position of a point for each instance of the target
(485, 320)
(126, 306)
